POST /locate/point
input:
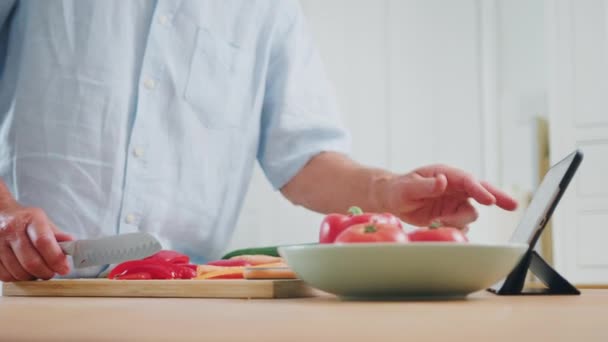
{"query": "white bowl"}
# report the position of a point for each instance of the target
(422, 269)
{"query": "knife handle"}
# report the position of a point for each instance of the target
(68, 247)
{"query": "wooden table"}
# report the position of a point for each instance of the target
(481, 317)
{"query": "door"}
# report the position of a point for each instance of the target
(577, 36)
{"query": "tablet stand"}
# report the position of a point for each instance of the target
(514, 283)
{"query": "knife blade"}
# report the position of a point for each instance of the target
(111, 249)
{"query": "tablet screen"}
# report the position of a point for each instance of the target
(544, 199)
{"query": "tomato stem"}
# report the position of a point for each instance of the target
(370, 229)
(435, 224)
(354, 210)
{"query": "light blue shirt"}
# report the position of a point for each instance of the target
(121, 116)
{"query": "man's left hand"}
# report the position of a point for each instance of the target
(441, 194)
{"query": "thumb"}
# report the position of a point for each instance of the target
(61, 236)
(419, 187)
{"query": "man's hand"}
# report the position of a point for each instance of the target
(29, 246)
(440, 193)
(331, 182)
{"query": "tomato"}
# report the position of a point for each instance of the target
(443, 234)
(372, 232)
(334, 224)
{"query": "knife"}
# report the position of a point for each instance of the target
(111, 249)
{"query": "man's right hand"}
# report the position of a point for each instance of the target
(29, 246)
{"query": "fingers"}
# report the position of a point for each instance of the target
(5, 275)
(29, 247)
(477, 191)
(60, 236)
(503, 200)
(44, 247)
(461, 217)
(460, 181)
(12, 265)
(29, 258)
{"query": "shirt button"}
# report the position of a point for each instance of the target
(163, 19)
(130, 219)
(150, 83)
(138, 152)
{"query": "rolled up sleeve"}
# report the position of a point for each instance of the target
(300, 115)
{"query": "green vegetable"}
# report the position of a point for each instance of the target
(268, 250)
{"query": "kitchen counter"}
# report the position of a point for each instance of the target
(482, 316)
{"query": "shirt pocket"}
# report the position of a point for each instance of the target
(219, 81)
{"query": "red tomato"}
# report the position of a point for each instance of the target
(334, 224)
(443, 234)
(372, 232)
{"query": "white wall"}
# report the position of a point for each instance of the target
(522, 90)
(419, 82)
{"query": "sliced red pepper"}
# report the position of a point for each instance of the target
(229, 263)
(156, 269)
(190, 266)
(186, 271)
(162, 265)
(170, 256)
(135, 276)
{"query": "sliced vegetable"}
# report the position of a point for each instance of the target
(229, 262)
(155, 269)
(170, 256)
(202, 269)
(162, 265)
(223, 273)
(186, 271)
(257, 259)
(269, 273)
(135, 276)
(274, 264)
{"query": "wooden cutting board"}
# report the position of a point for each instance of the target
(234, 288)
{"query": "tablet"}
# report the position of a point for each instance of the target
(545, 199)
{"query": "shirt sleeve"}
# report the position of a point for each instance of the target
(300, 116)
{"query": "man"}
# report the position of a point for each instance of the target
(119, 116)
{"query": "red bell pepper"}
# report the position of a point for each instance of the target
(170, 256)
(186, 271)
(156, 269)
(135, 276)
(334, 224)
(162, 265)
